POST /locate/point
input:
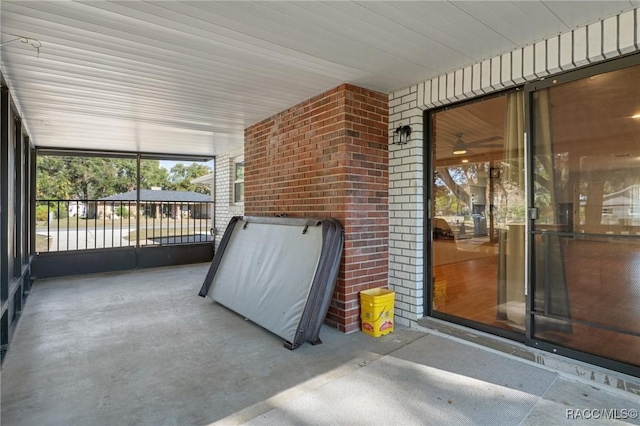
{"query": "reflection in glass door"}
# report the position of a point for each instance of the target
(586, 189)
(478, 217)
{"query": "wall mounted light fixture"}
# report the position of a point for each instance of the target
(401, 135)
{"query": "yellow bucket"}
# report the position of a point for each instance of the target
(376, 311)
(439, 293)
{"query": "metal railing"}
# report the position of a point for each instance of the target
(67, 225)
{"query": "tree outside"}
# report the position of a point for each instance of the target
(88, 178)
(181, 175)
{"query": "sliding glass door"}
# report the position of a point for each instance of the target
(586, 194)
(543, 247)
(478, 213)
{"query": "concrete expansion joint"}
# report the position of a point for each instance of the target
(600, 378)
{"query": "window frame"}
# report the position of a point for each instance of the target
(235, 181)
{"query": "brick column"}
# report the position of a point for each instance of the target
(328, 157)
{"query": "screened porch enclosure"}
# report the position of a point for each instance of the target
(122, 207)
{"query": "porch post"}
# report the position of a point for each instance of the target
(138, 201)
(5, 110)
(17, 195)
(32, 198)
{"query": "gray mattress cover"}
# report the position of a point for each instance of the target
(266, 272)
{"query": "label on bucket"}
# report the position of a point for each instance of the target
(367, 326)
(370, 315)
(386, 325)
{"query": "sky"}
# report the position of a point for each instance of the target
(169, 164)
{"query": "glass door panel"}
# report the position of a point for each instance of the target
(586, 240)
(477, 254)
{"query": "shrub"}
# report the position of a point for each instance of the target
(122, 211)
(42, 213)
(60, 210)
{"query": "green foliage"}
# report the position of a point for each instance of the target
(52, 182)
(90, 178)
(122, 211)
(60, 210)
(181, 175)
(83, 177)
(447, 204)
(153, 175)
(42, 213)
(516, 213)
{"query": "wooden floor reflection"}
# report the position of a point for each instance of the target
(471, 290)
(603, 282)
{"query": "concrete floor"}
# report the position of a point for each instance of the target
(141, 348)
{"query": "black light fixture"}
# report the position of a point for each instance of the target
(401, 135)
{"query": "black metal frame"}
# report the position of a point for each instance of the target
(427, 229)
(197, 233)
(5, 112)
(64, 152)
(528, 337)
(18, 193)
(58, 264)
(17, 167)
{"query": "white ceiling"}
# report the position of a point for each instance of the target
(188, 77)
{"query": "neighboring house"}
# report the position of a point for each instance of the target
(77, 208)
(154, 203)
(623, 205)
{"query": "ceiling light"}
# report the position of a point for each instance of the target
(465, 161)
(636, 116)
(460, 151)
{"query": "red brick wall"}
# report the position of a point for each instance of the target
(328, 157)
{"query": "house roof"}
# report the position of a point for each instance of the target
(160, 195)
(207, 179)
